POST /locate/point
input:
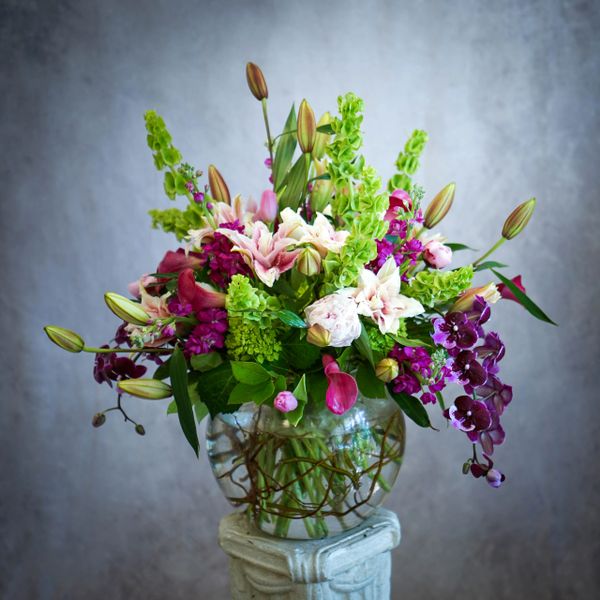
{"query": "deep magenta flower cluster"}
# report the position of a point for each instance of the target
(209, 334)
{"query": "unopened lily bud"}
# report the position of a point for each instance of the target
(387, 369)
(307, 127)
(126, 309)
(518, 219)
(309, 262)
(218, 188)
(465, 301)
(256, 81)
(321, 139)
(150, 389)
(65, 338)
(99, 420)
(139, 429)
(318, 336)
(438, 208)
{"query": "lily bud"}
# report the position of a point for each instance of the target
(126, 309)
(256, 81)
(518, 219)
(268, 207)
(218, 188)
(438, 208)
(150, 389)
(99, 420)
(65, 338)
(139, 429)
(321, 139)
(465, 301)
(309, 262)
(307, 127)
(318, 336)
(387, 369)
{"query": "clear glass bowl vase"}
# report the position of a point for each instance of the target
(324, 476)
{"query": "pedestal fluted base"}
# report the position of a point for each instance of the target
(354, 565)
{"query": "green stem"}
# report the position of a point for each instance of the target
(492, 249)
(129, 350)
(266, 118)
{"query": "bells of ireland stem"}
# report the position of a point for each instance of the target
(307, 127)
(149, 389)
(322, 139)
(65, 338)
(256, 81)
(218, 188)
(518, 219)
(438, 208)
(126, 309)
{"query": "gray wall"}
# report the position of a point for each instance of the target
(509, 94)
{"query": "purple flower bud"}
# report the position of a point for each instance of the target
(268, 163)
(198, 197)
(189, 186)
(495, 478)
(209, 205)
(285, 402)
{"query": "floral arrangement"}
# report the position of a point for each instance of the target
(330, 286)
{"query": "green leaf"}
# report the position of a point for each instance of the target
(298, 352)
(363, 345)
(295, 187)
(327, 128)
(179, 383)
(284, 151)
(162, 371)
(367, 382)
(317, 387)
(290, 318)
(172, 408)
(257, 393)
(215, 386)
(412, 407)
(489, 264)
(301, 394)
(206, 362)
(411, 343)
(456, 247)
(440, 400)
(524, 299)
(250, 373)
(344, 357)
(201, 410)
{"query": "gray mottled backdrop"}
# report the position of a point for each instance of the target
(509, 94)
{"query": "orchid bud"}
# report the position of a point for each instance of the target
(139, 429)
(518, 219)
(495, 478)
(285, 402)
(438, 208)
(218, 188)
(99, 420)
(307, 127)
(268, 207)
(387, 369)
(256, 81)
(321, 139)
(465, 301)
(309, 262)
(126, 309)
(150, 389)
(318, 336)
(65, 338)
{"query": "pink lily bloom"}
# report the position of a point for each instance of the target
(342, 390)
(268, 207)
(266, 253)
(506, 293)
(198, 295)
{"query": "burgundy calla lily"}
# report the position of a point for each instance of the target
(506, 293)
(197, 295)
(175, 262)
(341, 390)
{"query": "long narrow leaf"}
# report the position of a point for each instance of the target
(179, 383)
(295, 187)
(412, 408)
(284, 151)
(527, 303)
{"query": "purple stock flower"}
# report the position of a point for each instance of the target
(209, 335)
(468, 415)
(398, 228)
(198, 197)
(468, 369)
(385, 248)
(108, 368)
(406, 383)
(454, 330)
(411, 250)
(178, 308)
(495, 394)
(428, 398)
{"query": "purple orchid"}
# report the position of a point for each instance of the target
(495, 394)
(492, 351)
(469, 371)
(494, 477)
(454, 330)
(492, 436)
(468, 415)
(108, 367)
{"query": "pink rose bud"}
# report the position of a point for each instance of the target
(268, 207)
(285, 402)
(437, 254)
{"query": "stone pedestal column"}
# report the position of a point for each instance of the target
(354, 565)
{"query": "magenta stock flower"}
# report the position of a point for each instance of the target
(209, 335)
(454, 331)
(342, 390)
(468, 415)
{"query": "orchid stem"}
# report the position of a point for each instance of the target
(492, 249)
(266, 118)
(129, 350)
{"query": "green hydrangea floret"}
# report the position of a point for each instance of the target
(432, 287)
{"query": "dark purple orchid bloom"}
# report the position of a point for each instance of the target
(454, 330)
(467, 368)
(121, 335)
(468, 415)
(108, 368)
(493, 436)
(492, 351)
(492, 476)
(495, 393)
(479, 314)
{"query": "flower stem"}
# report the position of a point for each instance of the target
(266, 118)
(492, 249)
(130, 350)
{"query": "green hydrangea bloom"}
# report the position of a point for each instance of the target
(174, 220)
(248, 340)
(381, 344)
(249, 303)
(433, 287)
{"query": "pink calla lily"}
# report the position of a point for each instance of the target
(507, 294)
(198, 295)
(175, 262)
(341, 390)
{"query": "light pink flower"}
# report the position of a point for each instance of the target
(337, 314)
(144, 281)
(437, 254)
(378, 297)
(268, 207)
(267, 254)
(285, 402)
(399, 200)
(342, 390)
